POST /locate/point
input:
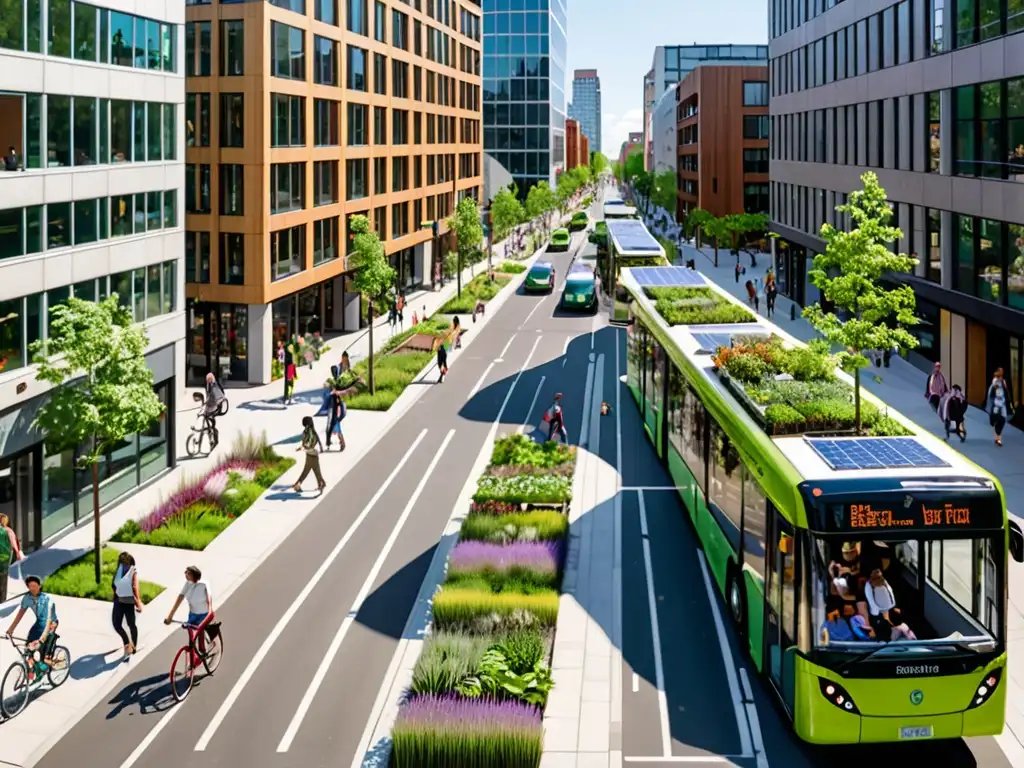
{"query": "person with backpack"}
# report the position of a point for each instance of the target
(311, 446)
(556, 420)
(953, 410)
(337, 411)
(442, 362)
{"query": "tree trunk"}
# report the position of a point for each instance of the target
(458, 276)
(856, 400)
(370, 367)
(96, 519)
(716, 250)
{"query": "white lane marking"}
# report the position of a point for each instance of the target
(286, 618)
(755, 729)
(480, 382)
(565, 348)
(617, 570)
(588, 396)
(507, 345)
(652, 606)
(649, 488)
(742, 723)
(357, 604)
(151, 737)
(535, 308)
(748, 693)
(529, 411)
(367, 754)
(636, 683)
(696, 759)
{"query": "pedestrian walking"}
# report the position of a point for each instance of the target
(442, 362)
(751, 292)
(346, 364)
(953, 410)
(456, 333)
(336, 414)
(555, 419)
(400, 312)
(127, 602)
(935, 387)
(392, 317)
(997, 403)
(771, 293)
(311, 446)
(739, 271)
(329, 385)
(289, 373)
(10, 553)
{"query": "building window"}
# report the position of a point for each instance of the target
(933, 234)
(380, 175)
(232, 258)
(232, 48)
(755, 126)
(287, 51)
(326, 11)
(197, 188)
(295, 6)
(197, 119)
(380, 126)
(754, 161)
(287, 252)
(356, 68)
(990, 130)
(197, 257)
(380, 218)
(980, 20)
(934, 132)
(289, 116)
(357, 17)
(399, 174)
(325, 182)
(399, 30)
(380, 73)
(198, 45)
(755, 94)
(755, 198)
(356, 179)
(287, 187)
(325, 61)
(358, 124)
(232, 190)
(325, 123)
(399, 126)
(232, 133)
(399, 79)
(399, 219)
(380, 32)
(325, 240)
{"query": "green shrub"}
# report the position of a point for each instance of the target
(456, 607)
(521, 450)
(783, 417)
(524, 489)
(511, 268)
(477, 289)
(496, 680)
(446, 660)
(78, 579)
(194, 528)
(240, 495)
(887, 426)
(697, 306)
(364, 401)
(539, 525)
(747, 368)
(392, 373)
(523, 648)
(807, 365)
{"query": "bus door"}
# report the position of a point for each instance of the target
(780, 606)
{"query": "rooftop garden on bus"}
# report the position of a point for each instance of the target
(697, 306)
(793, 390)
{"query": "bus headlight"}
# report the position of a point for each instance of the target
(837, 695)
(985, 688)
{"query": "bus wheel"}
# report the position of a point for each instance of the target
(737, 600)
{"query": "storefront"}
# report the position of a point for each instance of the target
(45, 493)
(792, 263)
(217, 342)
(304, 313)
(408, 269)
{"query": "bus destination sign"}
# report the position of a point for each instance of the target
(919, 515)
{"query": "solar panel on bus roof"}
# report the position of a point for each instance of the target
(632, 236)
(875, 453)
(667, 277)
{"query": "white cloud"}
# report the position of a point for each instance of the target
(615, 129)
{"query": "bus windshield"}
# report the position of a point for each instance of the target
(895, 595)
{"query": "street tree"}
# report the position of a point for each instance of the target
(506, 214)
(696, 221)
(740, 225)
(849, 275)
(540, 202)
(663, 191)
(469, 234)
(98, 352)
(717, 229)
(564, 191)
(373, 277)
(598, 164)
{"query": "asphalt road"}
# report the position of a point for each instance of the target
(249, 728)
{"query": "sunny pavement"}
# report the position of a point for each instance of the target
(97, 664)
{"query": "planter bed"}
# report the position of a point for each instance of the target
(483, 677)
(202, 508)
(477, 289)
(697, 306)
(794, 390)
(78, 579)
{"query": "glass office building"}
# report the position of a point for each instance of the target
(524, 87)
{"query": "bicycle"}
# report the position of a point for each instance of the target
(17, 684)
(205, 426)
(189, 657)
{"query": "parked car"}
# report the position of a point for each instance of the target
(579, 221)
(580, 291)
(560, 240)
(541, 277)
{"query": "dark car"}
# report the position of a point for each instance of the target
(541, 277)
(580, 291)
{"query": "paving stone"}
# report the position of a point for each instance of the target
(561, 734)
(594, 726)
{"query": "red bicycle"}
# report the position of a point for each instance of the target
(191, 656)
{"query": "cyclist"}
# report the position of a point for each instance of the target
(211, 406)
(42, 635)
(200, 604)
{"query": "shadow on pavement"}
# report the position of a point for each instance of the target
(149, 696)
(378, 612)
(93, 664)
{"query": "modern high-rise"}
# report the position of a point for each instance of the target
(586, 105)
(673, 62)
(524, 107)
(930, 96)
(90, 205)
(301, 116)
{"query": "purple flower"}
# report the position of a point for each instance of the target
(201, 488)
(542, 557)
(446, 712)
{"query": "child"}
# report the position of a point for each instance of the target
(953, 409)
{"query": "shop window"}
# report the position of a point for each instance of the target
(1015, 268)
(232, 258)
(153, 454)
(988, 266)
(933, 234)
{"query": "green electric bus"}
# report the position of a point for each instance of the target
(629, 245)
(792, 521)
(616, 209)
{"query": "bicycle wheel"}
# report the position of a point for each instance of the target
(194, 443)
(60, 666)
(182, 674)
(214, 652)
(14, 690)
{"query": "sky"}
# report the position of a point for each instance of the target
(605, 31)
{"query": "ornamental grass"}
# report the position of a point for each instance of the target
(458, 606)
(452, 732)
(538, 525)
(524, 489)
(534, 562)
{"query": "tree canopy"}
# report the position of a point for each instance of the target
(540, 201)
(506, 214)
(469, 232)
(374, 276)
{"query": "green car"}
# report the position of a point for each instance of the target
(579, 291)
(579, 221)
(541, 277)
(560, 240)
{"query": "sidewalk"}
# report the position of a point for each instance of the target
(97, 666)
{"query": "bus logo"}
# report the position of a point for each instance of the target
(916, 697)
